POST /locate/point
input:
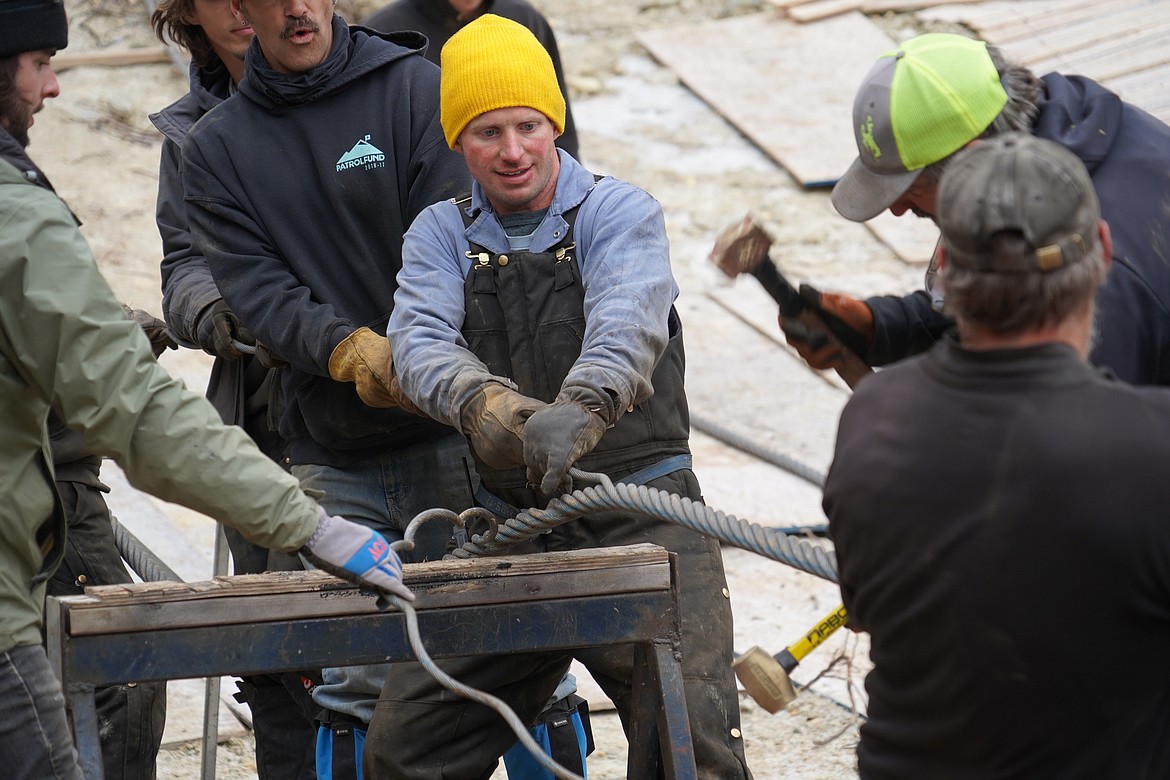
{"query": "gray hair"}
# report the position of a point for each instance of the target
(1016, 302)
(1019, 114)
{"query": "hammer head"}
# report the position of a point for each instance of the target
(764, 679)
(741, 248)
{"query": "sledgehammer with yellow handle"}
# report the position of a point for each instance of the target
(765, 677)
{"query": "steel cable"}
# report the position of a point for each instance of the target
(148, 566)
(486, 699)
(605, 496)
(775, 457)
(645, 501)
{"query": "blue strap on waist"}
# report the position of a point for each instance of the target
(501, 508)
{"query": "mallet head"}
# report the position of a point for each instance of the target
(764, 679)
(741, 248)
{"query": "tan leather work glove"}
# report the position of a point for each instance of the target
(493, 419)
(849, 319)
(364, 358)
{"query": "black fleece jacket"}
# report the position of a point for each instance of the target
(1000, 527)
(1127, 152)
(299, 189)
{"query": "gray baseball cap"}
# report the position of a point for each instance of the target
(1022, 184)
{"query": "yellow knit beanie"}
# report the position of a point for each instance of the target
(496, 63)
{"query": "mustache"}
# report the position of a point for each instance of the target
(292, 26)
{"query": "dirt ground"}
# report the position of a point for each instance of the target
(636, 122)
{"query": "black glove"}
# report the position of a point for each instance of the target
(557, 435)
(154, 328)
(267, 357)
(227, 334)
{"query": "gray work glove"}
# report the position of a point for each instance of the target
(154, 328)
(357, 554)
(558, 435)
(493, 419)
(226, 332)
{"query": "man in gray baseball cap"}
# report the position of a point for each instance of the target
(997, 501)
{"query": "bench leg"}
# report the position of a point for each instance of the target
(659, 728)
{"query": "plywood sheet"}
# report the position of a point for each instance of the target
(788, 87)
(881, 6)
(912, 238)
(1123, 44)
(809, 10)
(822, 9)
(1149, 89)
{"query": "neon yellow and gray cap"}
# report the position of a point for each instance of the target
(918, 104)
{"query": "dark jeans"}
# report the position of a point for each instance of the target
(35, 741)
(387, 493)
(130, 716)
(457, 739)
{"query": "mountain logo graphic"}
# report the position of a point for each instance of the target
(362, 154)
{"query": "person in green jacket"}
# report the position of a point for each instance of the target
(66, 346)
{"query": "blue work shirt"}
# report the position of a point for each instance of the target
(624, 258)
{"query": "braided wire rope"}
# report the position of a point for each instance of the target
(605, 496)
(148, 566)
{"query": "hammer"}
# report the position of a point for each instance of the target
(765, 677)
(743, 248)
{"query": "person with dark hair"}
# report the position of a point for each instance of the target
(298, 190)
(68, 348)
(998, 505)
(536, 315)
(438, 20)
(924, 102)
(133, 714)
(240, 384)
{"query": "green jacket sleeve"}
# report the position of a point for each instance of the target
(64, 332)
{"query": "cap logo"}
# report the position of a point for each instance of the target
(867, 138)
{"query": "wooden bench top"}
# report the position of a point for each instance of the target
(277, 596)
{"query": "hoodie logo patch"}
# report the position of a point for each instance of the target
(363, 155)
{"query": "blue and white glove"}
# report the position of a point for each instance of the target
(358, 554)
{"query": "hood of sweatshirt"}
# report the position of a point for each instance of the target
(1081, 116)
(210, 86)
(356, 51)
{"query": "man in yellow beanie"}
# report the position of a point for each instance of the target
(536, 316)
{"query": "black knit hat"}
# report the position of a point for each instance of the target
(30, 25)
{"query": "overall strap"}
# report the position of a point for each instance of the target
(501, 508)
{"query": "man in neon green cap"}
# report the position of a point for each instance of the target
(925, 101)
